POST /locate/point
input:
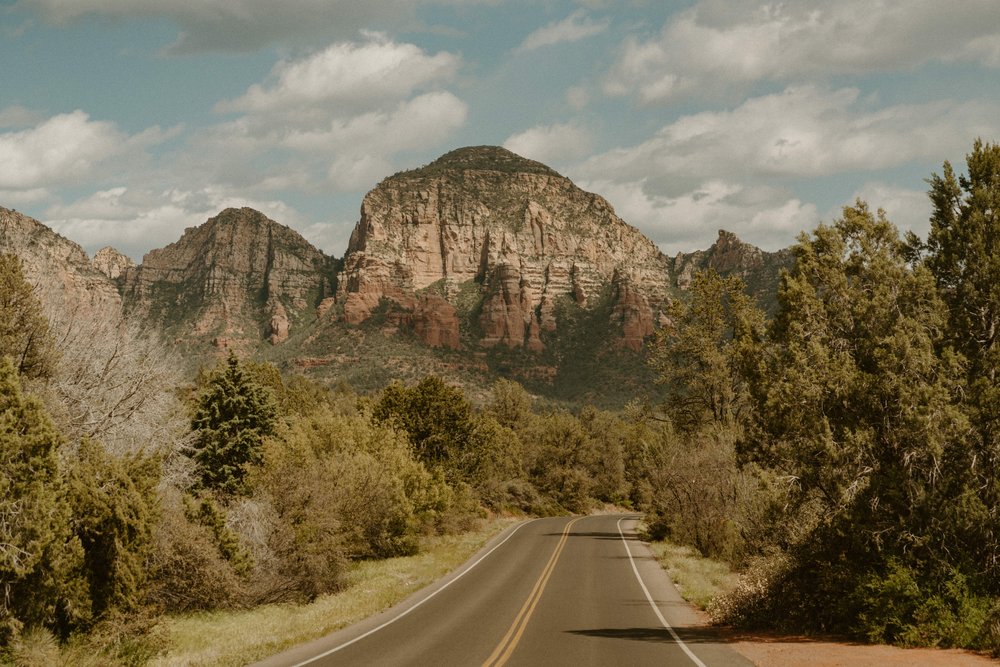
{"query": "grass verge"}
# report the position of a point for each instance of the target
(699, 579)
(222, 639)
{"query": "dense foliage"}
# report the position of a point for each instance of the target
(24, 331)
(855, 438)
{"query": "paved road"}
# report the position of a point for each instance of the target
(560, 591)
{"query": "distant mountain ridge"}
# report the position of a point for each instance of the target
(64, 277)
(236, 280)
(481, 263)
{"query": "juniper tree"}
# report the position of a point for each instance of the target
(964, 256)
(114, 510)
(854, 404)
(437, 417)
(39, 557)
(697, 354)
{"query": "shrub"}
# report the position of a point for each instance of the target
(40, 558)
(188, 571)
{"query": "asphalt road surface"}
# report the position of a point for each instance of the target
(559, 591)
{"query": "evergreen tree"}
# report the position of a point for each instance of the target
(24, 331)
(697, 354)
(232, 417)
(854, 404)
(39, 557)
(852, 395)
(437, 417)
(964, 256)
(114, 506)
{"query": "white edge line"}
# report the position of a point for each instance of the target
(401, 615)
(652, 604)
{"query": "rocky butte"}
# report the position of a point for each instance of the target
(509, 229)
(235, 280)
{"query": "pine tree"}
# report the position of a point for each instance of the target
(232, 417)
(24, 331)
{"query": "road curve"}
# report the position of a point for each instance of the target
(558, 591)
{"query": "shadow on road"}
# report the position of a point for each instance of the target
(595, 535)
(689, 635)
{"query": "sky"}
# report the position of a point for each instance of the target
(123, 122)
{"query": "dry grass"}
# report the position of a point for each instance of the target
(699, 579)
(238, 638)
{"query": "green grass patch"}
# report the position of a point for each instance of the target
(699, 579)
(241, 637)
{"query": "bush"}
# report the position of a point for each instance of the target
(41, 582)
(188, 571)
(899, 606)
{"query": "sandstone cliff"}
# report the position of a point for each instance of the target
(112, 263)
(729, 256)
(521, 232)
(237, 279)
(63, 276)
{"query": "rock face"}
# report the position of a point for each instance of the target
(237, 279)
(435, 321)
(634, 313)
(525, 234)
(729, 256)
(112, 263)
(59, 269)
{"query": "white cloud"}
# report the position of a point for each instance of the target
(736, 169)
(247, 25)
(347, 74)
(573, 28)
(551, 144)
(68, 148)
(908, 209)
(762, 216)
(802, 132)
(717, 44)
(423, 120)
(336, 117)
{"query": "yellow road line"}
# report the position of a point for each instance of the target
(510, 640)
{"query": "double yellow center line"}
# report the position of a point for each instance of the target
(510, 640)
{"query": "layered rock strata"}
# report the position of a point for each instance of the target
(526, 234)
(238, 278)
(112, 263)
(62, 274)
